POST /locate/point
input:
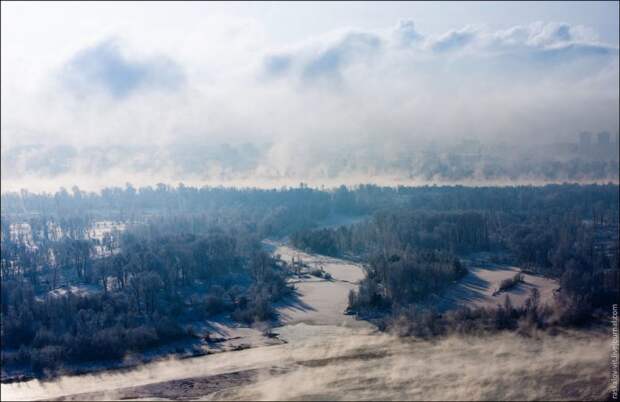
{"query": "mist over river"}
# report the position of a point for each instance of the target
(329, 362)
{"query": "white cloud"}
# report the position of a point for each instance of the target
(365, 91)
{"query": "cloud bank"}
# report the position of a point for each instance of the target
(103, 68)
(218, 103)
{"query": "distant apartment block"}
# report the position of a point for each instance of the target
(603, 148)
(603, 138)
(585, 139)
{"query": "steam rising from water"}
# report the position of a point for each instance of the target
(504, 367)
(341, 363)
(389, 105)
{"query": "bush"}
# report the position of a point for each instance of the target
(417, 322)
(214, 305)
(107, 344)
(46, 358)
(141, 338)
(167, 329)
(20, 357)
(320, 241)
(245, 315)
(263, 310)
(368, 297)
(43, 338)
(317, 272)
(259, 310)
(510, 283)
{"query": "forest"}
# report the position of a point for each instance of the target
(412, 253)
(143, 294)
(73, 292)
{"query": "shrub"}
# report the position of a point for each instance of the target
(214, 305)
(141, 338)
(263, 310)
(20, 357)
(107, 344)
(259, 309)
(167, 329)
(245, 315)
(509, 283)
(368, 297)
(46, 358)
(44, 337)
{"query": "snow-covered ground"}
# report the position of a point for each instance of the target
(321, 353)
(316, 311)
(79, 290)
(319, 301)
(316, 302)
(478, 287)
(339, 363)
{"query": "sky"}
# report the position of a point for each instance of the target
(291, 90)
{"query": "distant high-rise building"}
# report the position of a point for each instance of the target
(603, 138)
(585, 139)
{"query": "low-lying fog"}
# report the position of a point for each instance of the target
(216, 99)
(466, 162)
(342, 363)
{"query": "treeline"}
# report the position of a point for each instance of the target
(591, 201)
(287, 210)
(136, 298)
(398, 230)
